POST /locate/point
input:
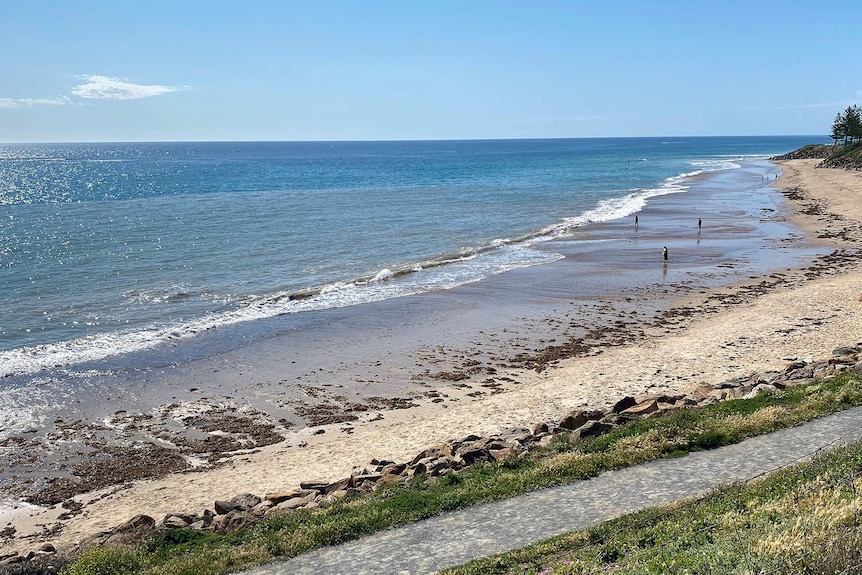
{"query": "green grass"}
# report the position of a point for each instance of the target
(849, 156)
(675, 434)
(802, 520)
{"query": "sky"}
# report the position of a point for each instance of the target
(192, 70)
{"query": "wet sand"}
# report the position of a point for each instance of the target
(745, 294)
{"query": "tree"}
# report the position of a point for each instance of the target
(853, 123)
(839, 131)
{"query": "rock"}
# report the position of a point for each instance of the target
(278, 496)
(504, 453)
(574, 420)
(291, 504)
(389, 479)
(761, 388)
(416, 470)
(803, 372)
(223, 507)
(393, 469)
(174, 522)
(218, 523)
(262, 507)
(767, 377)
(592, 429)
(245, 502)
(232, 521)
(439, 467)
(198, 525)
(472, 456)
(360, 481)
(314, 485)
(643, 408)
(623, 404)
(540, 429)
(331, 498)
(47, 549)
(339, 485)
(470, 439)
(704, 390)
(845, 351)
(129, 533)
(442, 450)
(843, 359)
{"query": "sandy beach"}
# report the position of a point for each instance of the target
(757, 325)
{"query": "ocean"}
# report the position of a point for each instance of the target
(108, 249)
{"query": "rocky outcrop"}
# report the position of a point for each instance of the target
(809, 152)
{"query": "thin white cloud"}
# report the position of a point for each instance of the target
(107, 88)
(30, 102)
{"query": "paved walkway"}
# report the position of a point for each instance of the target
(455, 538)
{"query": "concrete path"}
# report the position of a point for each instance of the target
(455, 538)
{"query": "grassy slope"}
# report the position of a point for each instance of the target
(849, 156)
(802, 520)
(202, 553)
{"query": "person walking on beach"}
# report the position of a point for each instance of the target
(664, 254)
(699, 224)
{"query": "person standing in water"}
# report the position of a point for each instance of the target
(664, 254)
(636, 221)
(699, 224)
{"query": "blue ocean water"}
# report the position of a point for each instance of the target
(112, 248)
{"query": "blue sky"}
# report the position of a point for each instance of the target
(266, 70)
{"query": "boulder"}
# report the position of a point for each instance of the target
(541, 429)
(340, 485)
(643, 408)
(393, 469)
(261, 508)
(504, 453)
(246, 501)
(442, 450)
(845, 351)
(131, 532)
(362, 481)
(223, 507)
(574, 420)
(704, 390)
(592, 429)
(623, 404)
(291, 504)
(278, 496)
(176, 521)
(472, 455)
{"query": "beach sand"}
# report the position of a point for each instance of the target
(758, 325)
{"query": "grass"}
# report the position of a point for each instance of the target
(801, 520)
(849, 155)
(201, 553)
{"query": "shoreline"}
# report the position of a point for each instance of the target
(733, 330)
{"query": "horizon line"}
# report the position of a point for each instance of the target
(371, 140)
